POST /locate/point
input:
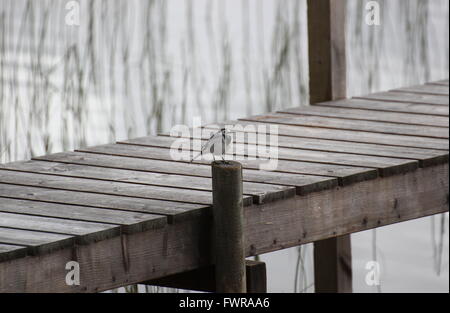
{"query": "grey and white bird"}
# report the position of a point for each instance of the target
(217, 144)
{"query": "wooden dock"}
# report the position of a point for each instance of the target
(128, 213)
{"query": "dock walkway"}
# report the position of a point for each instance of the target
(128, 213)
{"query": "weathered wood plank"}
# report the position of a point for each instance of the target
(303, 183)
(129, 221)
(174, 211)
(345, 174)
(108, 187)
(260, 192)
(85, 232)
(440, 82)
(426, 157)
(352, 125)
(409, 98)
(8, 252)
(355, 136)
(386, 166)
(425, 89)
(366, 115)
(185, 246)
(36, 242)
(387, 106)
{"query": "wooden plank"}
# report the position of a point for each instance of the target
(425, 89)
(426, 157)
(303, 183)
(386, 166)
(85, 232)
(36, 242)
(130, 221)
(109, 187)
(440, 82)
(408, 98)
(174, 211)
(260, 192)
(352, 136)
(387, 106)
(185, 246)
(326, 45)
(352, 125)
(345, 174)
(8, 252)
(366, 115)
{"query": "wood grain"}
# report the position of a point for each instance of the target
(440, 82)
(171, 210)
(36, 242)
(8, 252)
(354, 136)
(352, 125)
(85, 232)
(344, 174)
(260, 192)
(408, 98)
(425, 89)
(184, 246)
(367, 115)
(129, 221)
(388, 106)
(386, 166)
(426, 157)
(303, 183)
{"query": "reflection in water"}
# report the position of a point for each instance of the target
(301, 284)
(374, 254)
(438, 243)
(135, 67)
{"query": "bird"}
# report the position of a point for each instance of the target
(216, 144)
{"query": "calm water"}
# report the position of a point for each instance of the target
(137, 67)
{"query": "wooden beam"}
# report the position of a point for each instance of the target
(203, 279)
(326, 42)
(184, 246)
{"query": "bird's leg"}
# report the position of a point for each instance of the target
(224, 160)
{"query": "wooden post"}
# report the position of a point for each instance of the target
(327, 81)
(256, 276)
(326, 46)
(229, 249)
(333, 265)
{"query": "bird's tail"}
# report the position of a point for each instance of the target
(200, 153)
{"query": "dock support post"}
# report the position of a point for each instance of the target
(228, 249)
(326, 42)
(328, 81)
(333, 265)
